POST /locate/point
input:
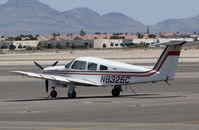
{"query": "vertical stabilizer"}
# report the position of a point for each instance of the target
(168, 61)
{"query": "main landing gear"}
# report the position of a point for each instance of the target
(71, 91)
(116, 91)
(72, 95)
(53, 93)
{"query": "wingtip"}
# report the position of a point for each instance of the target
(13, 71)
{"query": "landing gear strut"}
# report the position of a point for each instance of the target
(71, 91)
(53, 93)
(116, 91)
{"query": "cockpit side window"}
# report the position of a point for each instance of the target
(92, 66)
(102, 67)
(79, 65)
(68, 65)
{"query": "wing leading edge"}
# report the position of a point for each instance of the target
(54, 78)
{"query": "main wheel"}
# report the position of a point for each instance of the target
(53, 94)
(72, 95)
(115, 92)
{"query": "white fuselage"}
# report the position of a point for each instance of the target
(116, 74)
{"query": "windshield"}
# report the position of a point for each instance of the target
(68, 65)
(79, 65)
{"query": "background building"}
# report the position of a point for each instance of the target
(111, 43)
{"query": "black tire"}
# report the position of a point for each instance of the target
(115, 92)
(73, 95)
(53, 94)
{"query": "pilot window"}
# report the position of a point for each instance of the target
(79, 65)
(102, 67)
(92, 66)
(68, 65)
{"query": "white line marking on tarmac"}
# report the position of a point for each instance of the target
(165, 104)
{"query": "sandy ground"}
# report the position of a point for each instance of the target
(133, 56)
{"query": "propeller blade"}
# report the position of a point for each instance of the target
(47, 85)
(38, 65)
(55, 63)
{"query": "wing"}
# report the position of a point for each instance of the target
(55, 78)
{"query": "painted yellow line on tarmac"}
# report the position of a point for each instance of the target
(127, 125)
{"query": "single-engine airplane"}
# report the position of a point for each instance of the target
(97, 72)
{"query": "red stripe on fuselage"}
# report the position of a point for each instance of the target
(170, 53)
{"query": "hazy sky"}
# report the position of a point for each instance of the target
(145, 11)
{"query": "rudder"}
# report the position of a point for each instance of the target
(168, 61)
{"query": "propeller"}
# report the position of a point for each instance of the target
(55, 63)
(42, 68)
(38, 65)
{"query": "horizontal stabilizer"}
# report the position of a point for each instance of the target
(174, 42)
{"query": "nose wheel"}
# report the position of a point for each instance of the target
(53, 93)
